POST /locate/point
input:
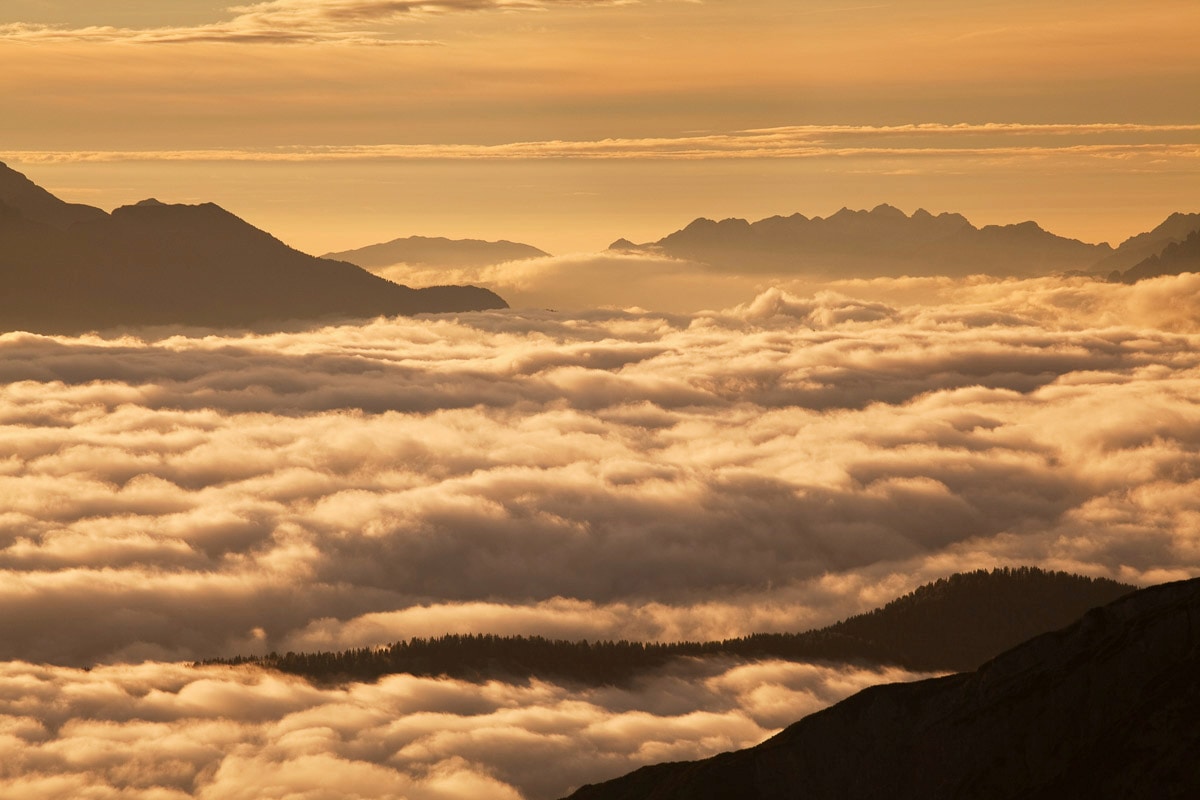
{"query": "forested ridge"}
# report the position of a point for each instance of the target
(953, 624)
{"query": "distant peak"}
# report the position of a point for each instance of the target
(623, 244)
(885, 210)
(150, 201)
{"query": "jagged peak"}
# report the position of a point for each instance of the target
(886, 210)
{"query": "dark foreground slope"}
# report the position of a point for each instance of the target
(1108, 707)
(70, 268)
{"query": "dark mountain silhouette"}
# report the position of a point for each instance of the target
(1136, 249)
(27, 199)
(70, 268)
(437, 252)
(1175, 259)
(880, 242)
(1107, 707)
(953, 624)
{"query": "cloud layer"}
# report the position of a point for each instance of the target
(773, 466)
(1145, 144)
(169, 732)
(352, 22)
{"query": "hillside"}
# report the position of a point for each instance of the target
(1104, 708)
(953, 624)
(69, 269)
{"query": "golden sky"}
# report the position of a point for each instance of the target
(788, 457)
(568, 123)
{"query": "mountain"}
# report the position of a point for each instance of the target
(1175, 258)
(70, 268)
(438, 252)
(1107, 707)
(959, 622)
(953, 624)
(880, 242)
(23, 196)
(1136, 249)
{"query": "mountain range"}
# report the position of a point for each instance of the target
(69, 268)
(887, 242)
(1106, 707)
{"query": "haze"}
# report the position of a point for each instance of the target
(337, 123)
(639, 448)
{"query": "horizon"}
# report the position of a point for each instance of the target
(567, 125)
(215, 446)
(31, 172)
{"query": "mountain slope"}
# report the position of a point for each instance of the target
(157, 264)
(1104, 708)
(437, 251)
(880, 242)
(955, 623)
(1135, 249)
(34, 203)
(1175, 259)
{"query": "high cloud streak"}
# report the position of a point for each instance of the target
(169, 732)
(1138, 146)
(290, 22)
(776, 465)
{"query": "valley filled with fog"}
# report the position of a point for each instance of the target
(773, 466)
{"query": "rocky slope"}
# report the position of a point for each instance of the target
(1107, 707)
(1136, 249)
(1175, 259)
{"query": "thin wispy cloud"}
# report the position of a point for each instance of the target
(1011, 141)
(352, 22)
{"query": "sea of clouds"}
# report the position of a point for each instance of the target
(775, 465)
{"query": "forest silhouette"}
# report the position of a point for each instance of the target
(953, 624)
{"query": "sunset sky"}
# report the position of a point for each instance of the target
(568, 123)
(639, 448)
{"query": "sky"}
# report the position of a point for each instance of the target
(669, 459)
(568, 124)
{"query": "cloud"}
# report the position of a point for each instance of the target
(168, 731)
(353, 22)
(775, 465)
(1139, 143)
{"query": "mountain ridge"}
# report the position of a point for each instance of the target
(883, 241)
(951, 624)
(153, 263)
(1105, 707)
(1176, 258)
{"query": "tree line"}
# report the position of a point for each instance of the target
(953, 624)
